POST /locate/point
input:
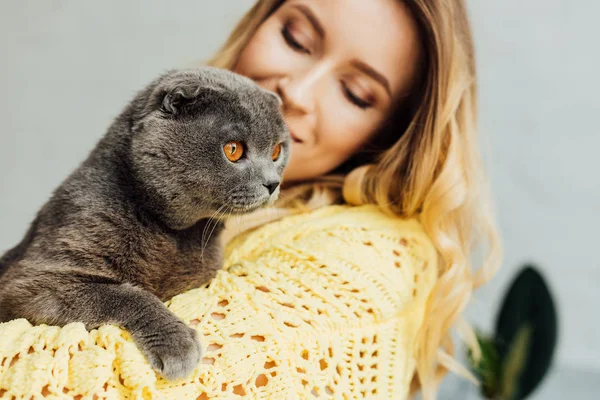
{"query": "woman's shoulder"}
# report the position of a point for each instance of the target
(393, 256)
(357, 226)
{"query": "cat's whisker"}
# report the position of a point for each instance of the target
(216, 222)
(213, 218)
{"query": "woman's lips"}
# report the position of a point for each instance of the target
(294, 137)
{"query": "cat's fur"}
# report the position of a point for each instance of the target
(130, 227)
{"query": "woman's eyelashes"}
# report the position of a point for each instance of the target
(296, 45)
(357, 101)
(292, 41)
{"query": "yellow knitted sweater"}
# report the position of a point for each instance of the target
(326, 304)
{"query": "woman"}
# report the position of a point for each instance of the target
(380, 99)
(389, 86)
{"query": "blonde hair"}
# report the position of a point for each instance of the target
(432, 171)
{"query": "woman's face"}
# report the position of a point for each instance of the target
(339, 66)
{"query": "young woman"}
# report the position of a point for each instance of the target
(343, 301)
(380, 98)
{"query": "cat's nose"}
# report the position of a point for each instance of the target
(271, 186)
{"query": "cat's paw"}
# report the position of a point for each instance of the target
(175, 354)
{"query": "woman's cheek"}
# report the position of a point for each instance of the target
(335, 147)
(348, 139)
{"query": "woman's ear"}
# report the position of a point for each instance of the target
(353, 186)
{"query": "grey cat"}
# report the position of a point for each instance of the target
(131, 227)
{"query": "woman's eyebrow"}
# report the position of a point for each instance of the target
(312, 18)
(364, 67)
(373, 73)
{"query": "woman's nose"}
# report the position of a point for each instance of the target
(299, 91)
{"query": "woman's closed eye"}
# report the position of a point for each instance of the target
(356, 100)
(297, 45)
(300, 41)
(292, 41)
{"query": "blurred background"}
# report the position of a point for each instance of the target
(68, 67)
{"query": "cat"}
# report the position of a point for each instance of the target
(138, 221)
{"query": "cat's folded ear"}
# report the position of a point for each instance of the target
(177, 101)
(173, 101)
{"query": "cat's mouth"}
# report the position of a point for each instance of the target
(244, 209)
(236, 206)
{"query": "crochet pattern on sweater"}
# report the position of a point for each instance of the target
(325, 304)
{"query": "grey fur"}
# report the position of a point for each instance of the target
(131, 227)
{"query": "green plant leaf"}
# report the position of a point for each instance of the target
(487, 368)
(515, 363)
(526, 333)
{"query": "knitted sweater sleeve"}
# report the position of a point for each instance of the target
(320, 305)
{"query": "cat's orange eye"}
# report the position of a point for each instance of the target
(276, 152)
(234, 150)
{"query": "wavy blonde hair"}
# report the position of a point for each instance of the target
(431, 169)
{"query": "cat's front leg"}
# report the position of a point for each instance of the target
(171, 347)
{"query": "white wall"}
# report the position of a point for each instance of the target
(69, 66)
(538, 64)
